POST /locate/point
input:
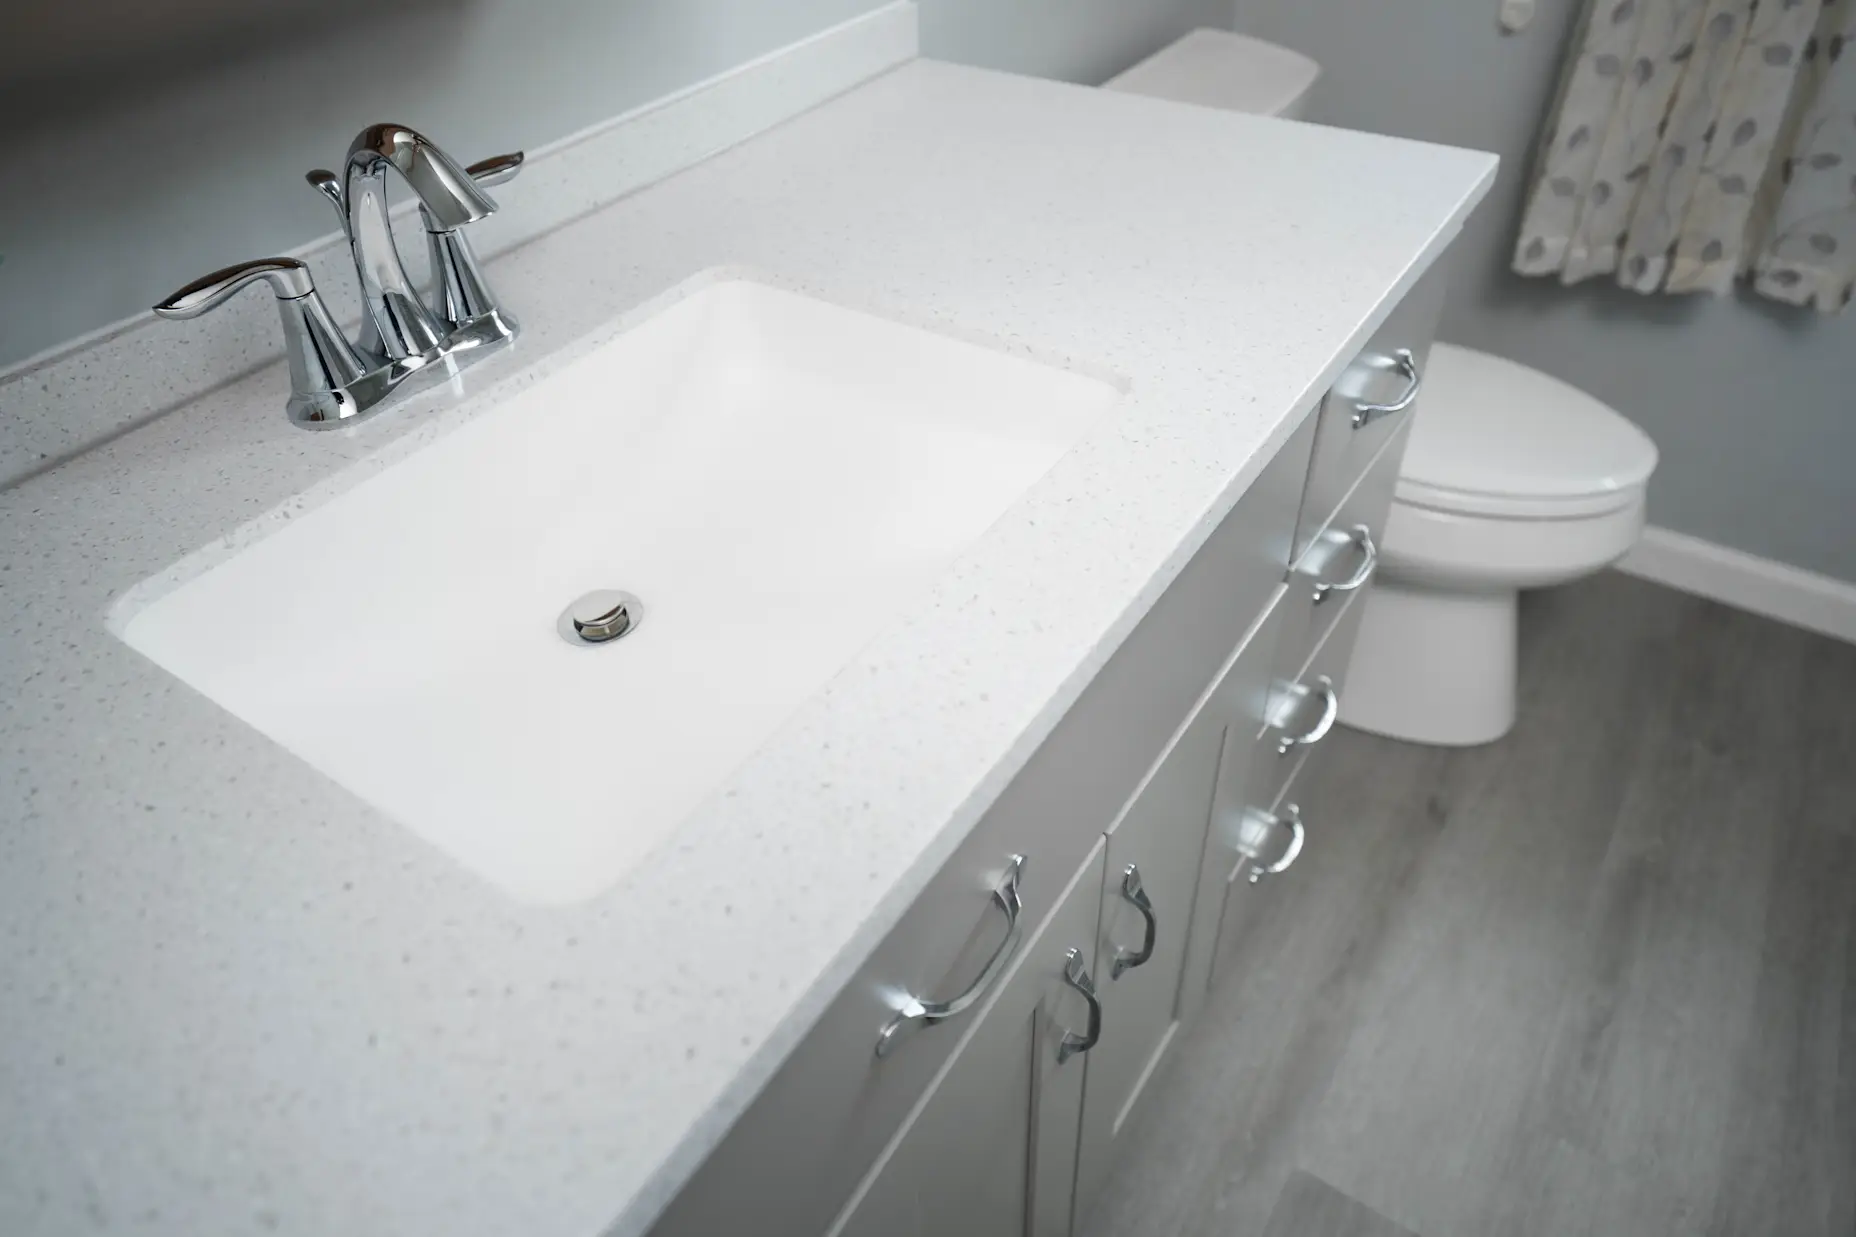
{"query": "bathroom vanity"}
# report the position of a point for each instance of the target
(974, 1075)
(911, 958)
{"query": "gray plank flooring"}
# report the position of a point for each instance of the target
(1597, 978)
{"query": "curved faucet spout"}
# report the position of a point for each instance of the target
(445, 189)
(408, 329)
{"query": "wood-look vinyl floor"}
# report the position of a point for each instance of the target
(1598, 978)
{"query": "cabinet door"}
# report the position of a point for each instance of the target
(1151, 879)
(990, 1151)
(1154, 946)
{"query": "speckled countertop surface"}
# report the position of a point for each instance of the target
(234, 998)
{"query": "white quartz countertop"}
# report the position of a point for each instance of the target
(234, 998)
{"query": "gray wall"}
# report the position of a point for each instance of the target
(115, 192)
(116, 186)
(1085, 41)
(1752, 405)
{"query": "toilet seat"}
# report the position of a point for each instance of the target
(1506, 507)
(1500, 440)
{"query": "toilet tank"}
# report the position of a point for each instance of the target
(1216, 68)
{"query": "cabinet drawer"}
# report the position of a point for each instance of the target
(796, 1154)
(1349, 433)
(1261, 843)
(1341, 560)
(1304, 704)
(1262, 835)
(1243, 703)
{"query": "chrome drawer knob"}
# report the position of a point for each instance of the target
(1291, 819)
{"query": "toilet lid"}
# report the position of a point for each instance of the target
(1495, 437)
(1216, 68)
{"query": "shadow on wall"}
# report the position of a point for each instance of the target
(216, 152)
(61, 56)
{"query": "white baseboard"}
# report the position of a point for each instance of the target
(1789, 594)
(68, 399)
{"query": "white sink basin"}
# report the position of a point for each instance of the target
(776, 478)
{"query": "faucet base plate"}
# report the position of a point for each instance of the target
(345, 406)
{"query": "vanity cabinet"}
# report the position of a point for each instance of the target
(978, 1071)
(990, 1149)
(1150, 897)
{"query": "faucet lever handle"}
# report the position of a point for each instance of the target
(464, 302)
(323, 364)
(497, 169)
(288, 278)
(329, 185)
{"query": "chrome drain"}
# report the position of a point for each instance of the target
(601, 615)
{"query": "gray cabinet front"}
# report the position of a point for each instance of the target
(1149, 896)
(990, 1149)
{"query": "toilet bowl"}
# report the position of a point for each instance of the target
(1512, 480)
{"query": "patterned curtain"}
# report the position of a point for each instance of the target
(1699, 141)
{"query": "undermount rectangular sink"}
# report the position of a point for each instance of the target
(776, 478)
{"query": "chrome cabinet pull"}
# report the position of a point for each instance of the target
(1401, 362)
(1330, 709)
(1335, 540)
(1133, 893)
(915, 1012)
(1076, 975)
(1292, 818)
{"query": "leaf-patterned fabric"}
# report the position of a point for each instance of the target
(1809, 255)
(1699, 141)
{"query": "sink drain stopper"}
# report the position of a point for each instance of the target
(601, 615)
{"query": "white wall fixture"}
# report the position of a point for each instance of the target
(1517, 15)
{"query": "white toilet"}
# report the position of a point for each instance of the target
(1512, 479)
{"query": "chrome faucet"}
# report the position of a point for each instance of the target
(446, 193)
(332, 379)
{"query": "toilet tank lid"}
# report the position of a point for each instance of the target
(1216, 68)
(1491, 426)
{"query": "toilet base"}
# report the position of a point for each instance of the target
(1432, 666)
